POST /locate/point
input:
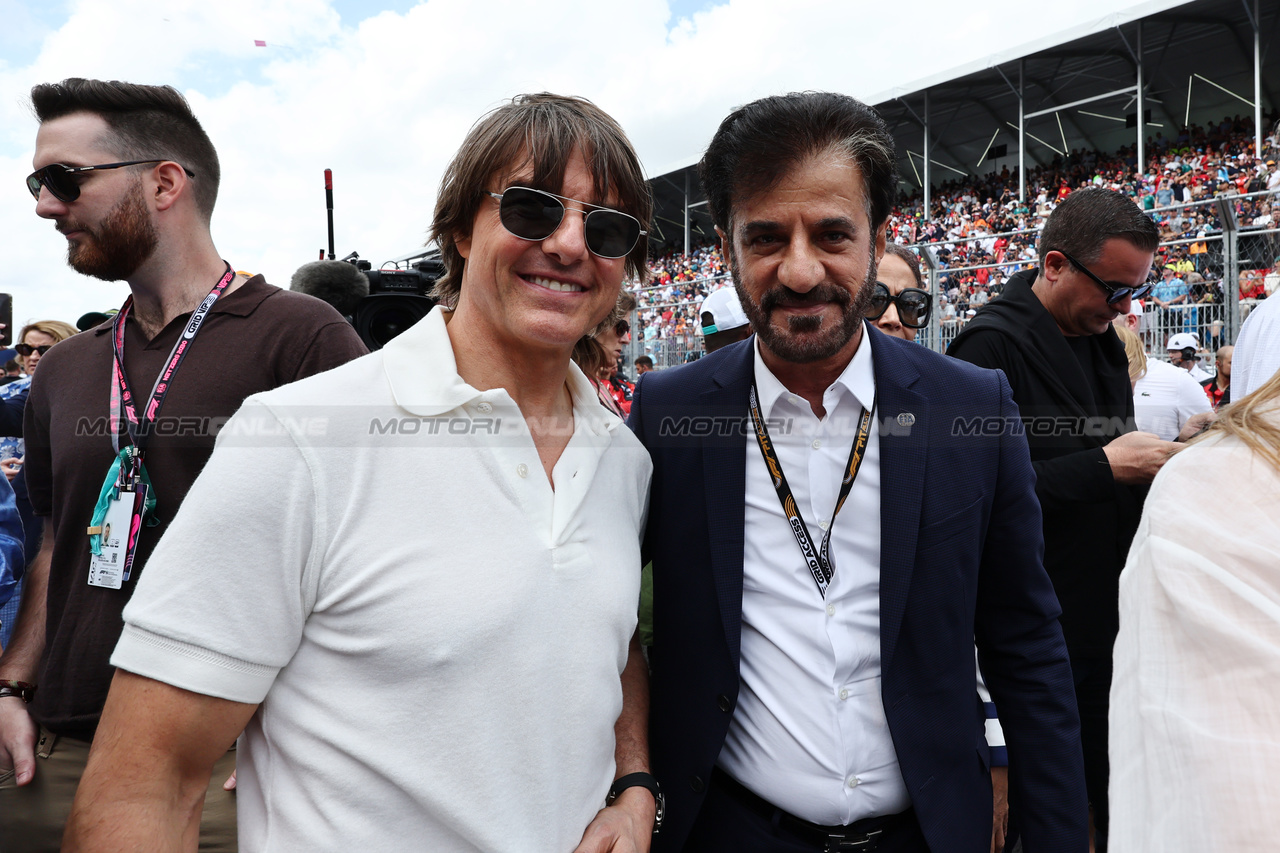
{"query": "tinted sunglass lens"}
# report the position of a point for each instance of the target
(879, 302)
(57, 180)
(611, 234)
(530, 215)
(914, 309)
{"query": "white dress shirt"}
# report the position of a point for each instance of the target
(809, 732)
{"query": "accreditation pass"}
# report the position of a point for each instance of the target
(119, 532)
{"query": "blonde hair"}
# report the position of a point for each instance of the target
(1134, 351)
(56, 329)
(1255, 420)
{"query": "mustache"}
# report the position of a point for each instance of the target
(785, 297)
(67, 226)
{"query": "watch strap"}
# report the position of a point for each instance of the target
(641, 780)
(24, 690)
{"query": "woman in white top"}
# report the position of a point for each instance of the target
(1195, 702)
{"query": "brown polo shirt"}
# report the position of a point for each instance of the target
(254, 339)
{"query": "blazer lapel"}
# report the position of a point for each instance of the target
(725, 477)
(903, 421)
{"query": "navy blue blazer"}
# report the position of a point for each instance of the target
(961, 560)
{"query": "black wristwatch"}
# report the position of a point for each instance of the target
(640, 780)
(22, 689)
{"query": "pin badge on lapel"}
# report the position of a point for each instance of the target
(906, 419)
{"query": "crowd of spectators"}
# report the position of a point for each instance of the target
(985, 234)
(667, 308)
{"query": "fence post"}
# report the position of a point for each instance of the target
(935, 327)
(1230, 266)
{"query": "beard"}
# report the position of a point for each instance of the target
(121, 242)
(803, 340)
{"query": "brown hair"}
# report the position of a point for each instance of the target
(145, 122)
(588, 354)
(909, 258)
(543, 131)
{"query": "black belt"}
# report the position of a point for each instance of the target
(861, 836)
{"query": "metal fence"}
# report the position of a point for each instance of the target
(1231, 269)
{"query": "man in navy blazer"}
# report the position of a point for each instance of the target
(812, 680)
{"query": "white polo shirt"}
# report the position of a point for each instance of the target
(1165, 398)
(435, 636)
(809, 732)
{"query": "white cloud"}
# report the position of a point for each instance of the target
(385, 103)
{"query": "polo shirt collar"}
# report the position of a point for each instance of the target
(241, 302)
(857, 378)
(423, 373)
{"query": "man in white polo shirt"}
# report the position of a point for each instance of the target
(417, 602)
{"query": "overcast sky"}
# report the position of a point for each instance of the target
(382, 92)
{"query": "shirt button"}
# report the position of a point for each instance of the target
(522, 470)
(854, 781)
(844, 694)
(794, 400)
(484, 408)
(817, 443)
(824, 524)
(831, 610)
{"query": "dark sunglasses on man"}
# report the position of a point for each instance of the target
(1115, 292)
(64, 181)
(536, 214)
(26, 350)
(913, 305)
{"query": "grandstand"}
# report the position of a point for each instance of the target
(988, 149)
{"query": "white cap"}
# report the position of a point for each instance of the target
(1183, 340)
(726, 311)
(1135, 307)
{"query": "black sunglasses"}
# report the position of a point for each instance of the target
(25, 350)
(622, 328)
(536, 214)
(62, 181)
(913, 305)
(1115, 292)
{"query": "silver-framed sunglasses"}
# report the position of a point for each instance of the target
(536, 214)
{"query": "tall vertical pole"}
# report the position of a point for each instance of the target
(1142, 112)
(1022, 133)
(928, 181)
(328, 203)
(1257, 80)
(686, 213)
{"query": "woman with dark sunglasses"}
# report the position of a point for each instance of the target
(597, 356)
(899, 305)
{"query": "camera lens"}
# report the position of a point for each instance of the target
(383, 316)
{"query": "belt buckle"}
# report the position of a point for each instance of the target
(864, 843)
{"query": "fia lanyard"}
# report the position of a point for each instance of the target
(818, 559)
(122, 398)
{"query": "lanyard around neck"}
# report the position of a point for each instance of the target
(138, 425)
(818, 559)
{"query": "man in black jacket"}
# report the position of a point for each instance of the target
(1050, 332)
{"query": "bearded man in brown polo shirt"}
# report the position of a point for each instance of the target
(124, 416)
